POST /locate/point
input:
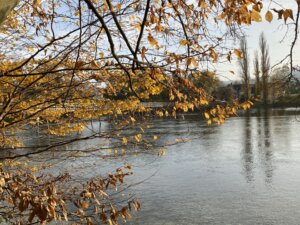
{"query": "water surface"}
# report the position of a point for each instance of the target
(246, 171)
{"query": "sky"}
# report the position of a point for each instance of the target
(279, 44)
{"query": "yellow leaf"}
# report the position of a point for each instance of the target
(183, 42)
(209, 122)
(206, 115)
(102, 193)
(255, 16)
(109, 222)
(213, 111)
(84, 204)
(203, 102)
(269, 16)
(138, 138)
(37, 3)
(101, 54)
(125, 141)
(160, 113)
(202, 4)
(138, 26)
(234, 110)
(162, 152)
(154, 137)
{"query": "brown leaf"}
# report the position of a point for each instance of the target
(79, 64)
(41, 212)
(152, 40)
(214, 55)
(269, 16)
(23, 205)
(238, 53)
(286, 15)
(94, 64)
(31, 216)
(143, 53)
(84, 204)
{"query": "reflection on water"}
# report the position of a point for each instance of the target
(246, 171)
(247, 152)
(267, 151)
(258, 139)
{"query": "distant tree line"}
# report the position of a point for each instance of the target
(270, 85)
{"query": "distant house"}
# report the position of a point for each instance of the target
(238, 89)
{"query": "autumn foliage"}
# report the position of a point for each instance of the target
(64, 63)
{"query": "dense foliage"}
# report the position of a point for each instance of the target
(65, 62)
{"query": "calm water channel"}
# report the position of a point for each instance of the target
(246, 171)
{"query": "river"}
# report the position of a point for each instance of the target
(246, 171)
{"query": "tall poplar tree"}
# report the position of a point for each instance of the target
(257, 74)
(265, 67)
(244, 67)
